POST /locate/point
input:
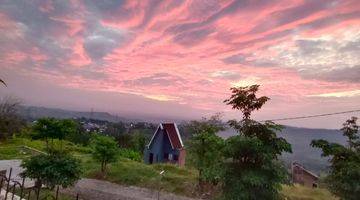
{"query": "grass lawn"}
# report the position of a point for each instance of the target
(127, 172)
(176, 180)
(298, 192)
(11, 149)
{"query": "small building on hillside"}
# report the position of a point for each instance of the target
(165, 146)
(303, 176)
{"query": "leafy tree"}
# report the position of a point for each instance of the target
(344, 177)
(10, 121)
(57, 168)
(252, 169)
(105, 150)
(205, 149)
(50, 129)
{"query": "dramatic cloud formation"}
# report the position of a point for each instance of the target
(183, 53)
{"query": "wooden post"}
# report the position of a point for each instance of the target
(8, 184)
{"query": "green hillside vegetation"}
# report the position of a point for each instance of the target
(176, 180)
(298, 192)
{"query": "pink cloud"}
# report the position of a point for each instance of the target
(188, 53)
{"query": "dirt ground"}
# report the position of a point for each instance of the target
(91, 189)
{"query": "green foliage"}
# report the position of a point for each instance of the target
(177, 180)
(53, 169)
(130, 154)
(51, 128)
(205, 149)
(127, 172)
(245, 100)
(298, 192)
(252, 169)
(344, 177)
(105, 150)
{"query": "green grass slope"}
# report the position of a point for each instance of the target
(176, 180)
(298, 192)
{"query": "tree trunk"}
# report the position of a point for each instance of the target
(200, 181)
(103, 166)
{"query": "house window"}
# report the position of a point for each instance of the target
(170, 156)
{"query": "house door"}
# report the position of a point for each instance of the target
(151, 158)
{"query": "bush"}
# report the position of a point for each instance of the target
(53, 169)
(104, 150)
(131, 154)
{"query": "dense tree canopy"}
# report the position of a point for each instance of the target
(51, 128)
(344, 177)
(251, 158)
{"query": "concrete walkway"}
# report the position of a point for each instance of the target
(16, 170)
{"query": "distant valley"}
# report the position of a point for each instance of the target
(299, 138)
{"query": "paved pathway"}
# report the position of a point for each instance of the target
(16, 170)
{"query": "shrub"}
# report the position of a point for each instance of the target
(57, 168)
(104, 150)
(131, 154)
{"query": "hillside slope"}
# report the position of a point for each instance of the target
(33, 113)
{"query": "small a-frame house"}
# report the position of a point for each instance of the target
(165, 146)
(303, 176)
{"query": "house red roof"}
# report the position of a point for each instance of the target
(173, 134)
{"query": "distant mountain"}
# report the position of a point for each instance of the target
(300, 139)
(33, 113)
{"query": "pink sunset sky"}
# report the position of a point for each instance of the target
(178, 59)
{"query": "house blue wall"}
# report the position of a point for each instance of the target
(159, 146)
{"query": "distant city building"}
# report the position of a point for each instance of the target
(166, 146)
(303, 176)
(90, 127)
